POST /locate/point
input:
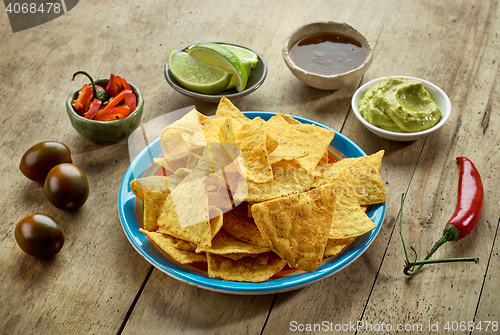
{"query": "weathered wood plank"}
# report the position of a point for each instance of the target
(447, 293)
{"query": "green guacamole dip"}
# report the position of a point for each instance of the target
(400, 105)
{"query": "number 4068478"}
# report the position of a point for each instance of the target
(33, 8)
(455, 326)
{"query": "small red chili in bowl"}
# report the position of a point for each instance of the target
(95, 102)
(468, 209)
(106, 111)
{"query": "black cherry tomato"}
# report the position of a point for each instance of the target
(39, 235)
(66, 187)
(40, 158)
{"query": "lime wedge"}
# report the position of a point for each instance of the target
(245, 55)
(217, 56)
(196, 75)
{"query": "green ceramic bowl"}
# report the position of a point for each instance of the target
(105, 132)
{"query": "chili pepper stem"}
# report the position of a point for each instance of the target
(91, 80)
(450, 233)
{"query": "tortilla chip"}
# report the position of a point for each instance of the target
(289, 146)
(159, 183)
(317, 140)
(335, 247)
(168, 223)
(349, 219)
(167, 244)
(289, 119)
(226, 132)
(376, 159)
(216, 220)
(304, 143)
(271, 143)
(368, 184)
(241, 227)
(260, 258)
(208, 131)
(184, 245)
(153, 201)
(288, 178)
(324, 159)
(248, 269)
(223, 244)
(227, 109)
(189, 122)
(174, 147)
(296, 227)
(252, 141)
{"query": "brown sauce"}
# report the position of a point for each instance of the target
(328, 54)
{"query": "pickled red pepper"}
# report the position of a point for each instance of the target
(92, 102)
(469, 205)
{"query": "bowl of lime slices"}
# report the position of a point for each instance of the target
(209, 71)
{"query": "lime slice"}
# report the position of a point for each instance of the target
(196, 75)
(245, 55)
(216, 55)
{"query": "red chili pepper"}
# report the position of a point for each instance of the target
(470, 200)
(82, 102)
(111, 87)
(115, 113)
(94, 108)
(464, 219)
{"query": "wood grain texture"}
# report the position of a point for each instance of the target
(99, 284)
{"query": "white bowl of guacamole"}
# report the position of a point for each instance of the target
(401, 108)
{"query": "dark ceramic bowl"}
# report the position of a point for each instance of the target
(105, 132)
(255, 80)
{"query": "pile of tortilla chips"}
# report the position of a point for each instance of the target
(249, 197)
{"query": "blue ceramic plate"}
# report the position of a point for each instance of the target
(287, 280)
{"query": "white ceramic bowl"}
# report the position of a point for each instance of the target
(322, 81)
(437, 94)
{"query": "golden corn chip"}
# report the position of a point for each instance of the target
(316, 140)
(304, 143)
(189, 122)
(223, 244)
(227, 109)
(184, 245)
(248, 269)
(368, 184)
(289, 146)
(174, 147)
(288, 178)
(215, 220)
(153, 201)
(168, 221)
(296, 227)
(324, 158)
(241, 227)
(277, 119)
(226, 132)
(167, 244)
(336, 246)
(208, 131)
(271, 143)
(349, 219)
(159, 183)
(252, 141)
(376, 159)
(260, 258)
(289, 119)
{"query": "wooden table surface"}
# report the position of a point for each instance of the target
(99, 284)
